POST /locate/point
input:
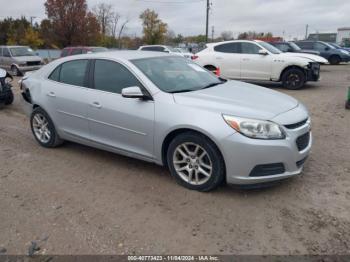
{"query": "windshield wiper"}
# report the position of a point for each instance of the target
(181, 91)
(213, 84)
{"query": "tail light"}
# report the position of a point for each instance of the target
(194, 57)
(217, 71)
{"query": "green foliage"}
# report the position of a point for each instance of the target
(154, 30)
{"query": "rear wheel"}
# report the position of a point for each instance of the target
(195, 162)
(293, 78)
(43, 129)
(334, 60)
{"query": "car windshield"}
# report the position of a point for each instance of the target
(294, 46)
(329, 45)
(335, 45)
(98, 49)
(22, 51)
(270, 48)
(176, 74)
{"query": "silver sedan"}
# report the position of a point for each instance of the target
(168, 110)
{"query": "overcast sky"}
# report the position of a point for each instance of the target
(187, 17)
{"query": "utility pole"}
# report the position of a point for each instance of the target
(212, 33)
(306, 31)
(207, 22)
(31, 20)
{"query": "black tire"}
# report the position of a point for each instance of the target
(15, 71)
(218, 166)
(334, 60)
(293, 78)
(54, 140)
(10, 97)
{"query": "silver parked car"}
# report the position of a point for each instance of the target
(19, 59)
(168, 110)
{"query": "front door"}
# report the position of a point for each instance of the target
(254, 66)
(125, 124)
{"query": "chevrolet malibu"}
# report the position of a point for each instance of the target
(168, 110)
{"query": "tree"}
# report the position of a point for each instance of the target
(154, 30)
(104, 15)
(227, 35)
(32, 38)
(72, 24)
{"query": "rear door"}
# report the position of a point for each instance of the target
(254, 65)
(67, 98)
(120, 123)
(227, 56)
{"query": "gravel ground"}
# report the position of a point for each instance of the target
(79, 200)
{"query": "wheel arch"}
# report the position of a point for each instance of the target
(174, 133)
(291, 67)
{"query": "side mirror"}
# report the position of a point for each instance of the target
(133, 92)
(263, 52)
(327, 48)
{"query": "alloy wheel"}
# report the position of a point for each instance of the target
(192, 163)
(41, 128)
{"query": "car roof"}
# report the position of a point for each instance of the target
(234, 41)
(124, 55)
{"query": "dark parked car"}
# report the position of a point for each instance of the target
(292, 48)
(78, 50)
(333, 55)
(340, 47)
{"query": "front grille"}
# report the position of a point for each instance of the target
(296, 125)
(33, 63)
(268, 170)
(303, 141)
(300, 163)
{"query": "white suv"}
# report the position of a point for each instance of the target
(257, 60)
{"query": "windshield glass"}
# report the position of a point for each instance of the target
(336, 45)
(294, 46)
(98, 49)
(176, 74)
(22, 51)
(330, 46)
(270, 48)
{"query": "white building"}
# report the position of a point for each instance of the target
(343, 35)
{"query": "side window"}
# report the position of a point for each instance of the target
(64, 52)
(113, 77)
(73, 72)
(305, 45)
(6, 52)
(319, 46)
(249, 48)
(228, 48)
(77, 51)
(55, 75)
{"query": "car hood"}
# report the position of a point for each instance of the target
(239, 99)
(27, 58)
(316, 58)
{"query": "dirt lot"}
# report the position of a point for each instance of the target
(79, 200)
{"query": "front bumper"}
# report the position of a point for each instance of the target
(244, 156)
(313, 72)
(24, 69)
(345, 59)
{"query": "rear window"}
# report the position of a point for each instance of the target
(71, 73)
(228, 48)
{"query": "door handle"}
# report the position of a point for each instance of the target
(51, 94)
(96, 105)
(245, 59)
(219, 58)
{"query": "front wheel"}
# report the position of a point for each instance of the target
(10, 97)
(43, 129)
(334, 60)
(293, 79)
(15, 71)
(195, 162)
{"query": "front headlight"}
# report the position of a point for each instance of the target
(258, 129)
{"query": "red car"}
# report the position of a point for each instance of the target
(78, 50)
